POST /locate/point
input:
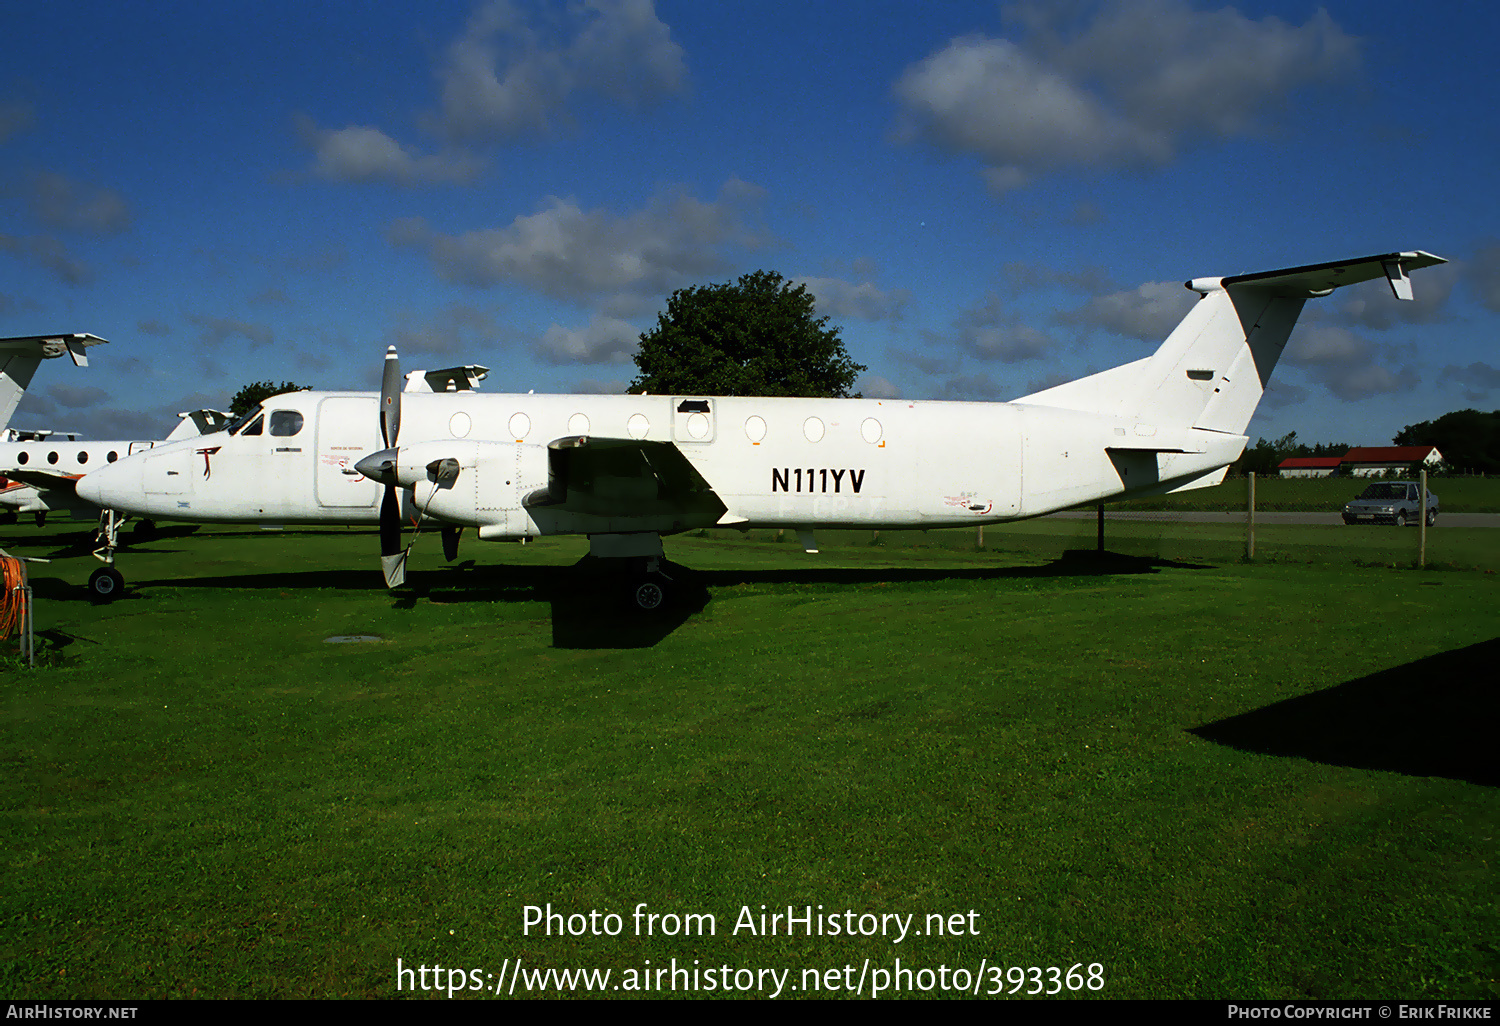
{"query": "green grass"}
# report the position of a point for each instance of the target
(1215, 779)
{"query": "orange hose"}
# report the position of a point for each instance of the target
(13, 602)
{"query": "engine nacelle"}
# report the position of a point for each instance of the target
(473, 483)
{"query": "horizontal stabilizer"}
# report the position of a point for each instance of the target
(1321, 279)
(48, 346)
(20, 356)
(449, 379)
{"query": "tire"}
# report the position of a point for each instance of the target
(648, 595)
(1431, 517)
(106, 584)
(1401, 518)
(143, 530)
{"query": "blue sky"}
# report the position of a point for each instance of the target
(986, 198)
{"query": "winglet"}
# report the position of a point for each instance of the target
(1395, 273)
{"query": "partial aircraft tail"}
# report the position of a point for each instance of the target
(1212, 370)
(20, 357)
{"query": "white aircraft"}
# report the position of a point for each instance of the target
(627, 469)
(44, 474)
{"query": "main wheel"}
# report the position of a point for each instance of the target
(143, 530)
(106, 584)
(648, 595)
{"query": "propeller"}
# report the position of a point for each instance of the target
(381, 466)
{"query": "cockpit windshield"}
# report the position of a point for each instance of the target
(242, 420)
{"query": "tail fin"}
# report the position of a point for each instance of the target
(20, 357)
(1212, 370)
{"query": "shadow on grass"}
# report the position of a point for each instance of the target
(588, 598)
(1430, 718)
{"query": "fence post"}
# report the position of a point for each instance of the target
(1250, 517)
(1422, 523)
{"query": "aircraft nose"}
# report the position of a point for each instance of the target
(111, 485)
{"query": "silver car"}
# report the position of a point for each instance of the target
(1391, 502)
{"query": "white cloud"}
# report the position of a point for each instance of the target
(1131, 83)
(59, 202)
(1148, 312)
(1371, 305)
(509, 74)
(1483, 274)
(1346, 364)
(455, 331)
(988, 332)
(218, 330)
(568, 252)
(1477, 381)
(363, 154)
(15, 117)
(79, 397)
(873, 386)
(864, 301)
(51, 255)
(603, 340)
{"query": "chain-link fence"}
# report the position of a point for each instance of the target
(1295, 521)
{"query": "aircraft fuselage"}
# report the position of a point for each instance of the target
(858, 463)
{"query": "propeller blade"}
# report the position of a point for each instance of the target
(392, 556)
(383, 464)
(390, 399)
(450, 542)
(390, 522)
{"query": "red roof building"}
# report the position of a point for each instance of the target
(1366, 461)
(1308, 466)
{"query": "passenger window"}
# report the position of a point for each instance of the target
(52, 456)
(254, 428)
(83, 457)
(23, 457)
(285, 423)
(112, 456)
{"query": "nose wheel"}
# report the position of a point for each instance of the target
(106, 584)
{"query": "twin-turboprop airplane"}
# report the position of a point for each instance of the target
(626, 470)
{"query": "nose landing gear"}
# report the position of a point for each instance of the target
(106, 583)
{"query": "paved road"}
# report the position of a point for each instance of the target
(1444, 519)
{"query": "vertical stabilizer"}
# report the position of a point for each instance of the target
(1212, 370)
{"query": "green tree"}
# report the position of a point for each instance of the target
(249, 397)
(757, 336)
(1468, 439)
(1265, 456)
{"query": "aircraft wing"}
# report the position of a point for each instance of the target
(46, 480)
(651, 486)
(1321, 279)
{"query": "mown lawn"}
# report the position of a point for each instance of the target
(1210, 779)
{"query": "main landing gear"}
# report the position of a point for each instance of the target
(649, 589)
(639, 555)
